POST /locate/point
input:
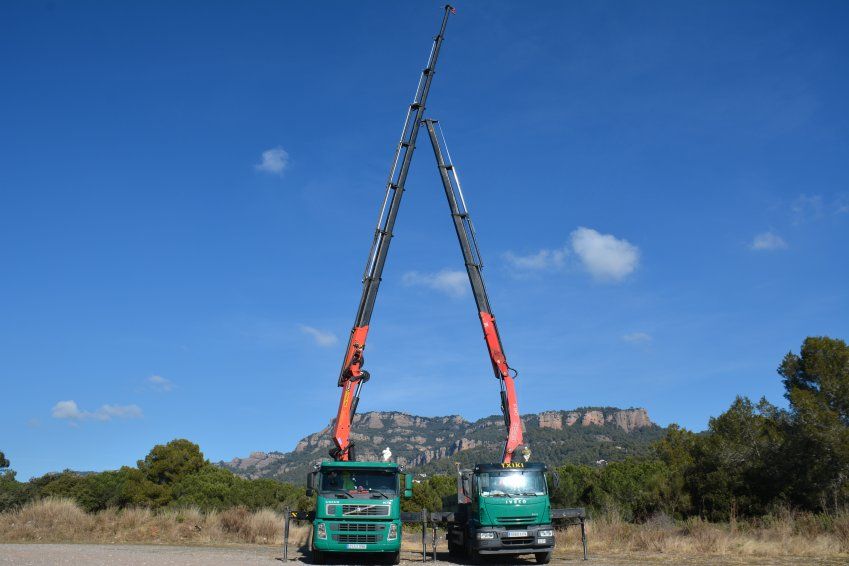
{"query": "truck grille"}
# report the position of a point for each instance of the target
(355, 527)
(355, 538)
(517, 520)
(517, 541)
(366, 510)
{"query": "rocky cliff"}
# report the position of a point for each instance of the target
(583, 435)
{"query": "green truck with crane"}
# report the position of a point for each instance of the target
(358, 508)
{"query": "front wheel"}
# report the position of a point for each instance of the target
(543, 557)
(317, 556)
(395, 557)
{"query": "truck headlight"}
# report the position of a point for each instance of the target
(321, 531)
(546, 533)
(486, 536)
(393, 532)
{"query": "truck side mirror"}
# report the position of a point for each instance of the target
(311, 477)
(555, 479)
(408, 486)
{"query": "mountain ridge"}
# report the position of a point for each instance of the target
(582, 435)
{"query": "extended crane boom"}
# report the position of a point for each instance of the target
(474, 266)
(352, 376)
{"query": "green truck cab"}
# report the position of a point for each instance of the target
(502, 509)
(358, 508)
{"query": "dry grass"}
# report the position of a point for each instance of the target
(783, 535)
(61, 520)
(786, 534)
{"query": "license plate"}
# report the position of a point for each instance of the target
(512, 534)
(540, 541)
(356, 546)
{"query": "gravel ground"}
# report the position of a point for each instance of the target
(152, 555)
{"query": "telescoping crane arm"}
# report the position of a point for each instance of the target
(474, 266)
(352, 376)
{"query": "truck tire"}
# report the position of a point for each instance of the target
(317, 556)
(543, 557)
(472, 555)
(454, 550)
(395, 557)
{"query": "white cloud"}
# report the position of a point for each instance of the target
(160, 383)
(806, 208)
(274, 161)
(66, 410)
(321, 338)
(70, 411)
(106, 412)
(605, 256)
(539, 261)
(637, 338)
(768, 241)
(452, 283)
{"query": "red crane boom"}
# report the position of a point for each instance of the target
(474, 268)
(352, 376)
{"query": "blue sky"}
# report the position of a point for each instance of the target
(188, 193)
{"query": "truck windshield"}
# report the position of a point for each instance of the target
(378, 482)
(511, 483)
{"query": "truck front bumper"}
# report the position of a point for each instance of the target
(509, 540)
(356, 536)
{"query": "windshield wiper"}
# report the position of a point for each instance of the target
(343, 494)
(372, 490)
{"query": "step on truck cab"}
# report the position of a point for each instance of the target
(358, 508)
(502, 509)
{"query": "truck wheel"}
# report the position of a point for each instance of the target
(395, 557)
(454, 551)
(543, 557)
(317, 556)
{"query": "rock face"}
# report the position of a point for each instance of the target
(580, 435)
(551, 419)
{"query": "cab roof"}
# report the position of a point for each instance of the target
(360, 465)
(512, 466)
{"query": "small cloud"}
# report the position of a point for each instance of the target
(159, 383)
(68, 410)
(605, 256)
(106, 412)
(767, 241)
(806, 208)
(841, 204)
(274, 161)
(33, 423)
(542, 260)
(637, 338)
(452, 283)
(321, 338)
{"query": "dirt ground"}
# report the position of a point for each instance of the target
(152, 555)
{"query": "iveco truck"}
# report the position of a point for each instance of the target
(358, 508)
(502, 509)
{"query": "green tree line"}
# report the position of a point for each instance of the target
(753, 458)
(174, 474)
